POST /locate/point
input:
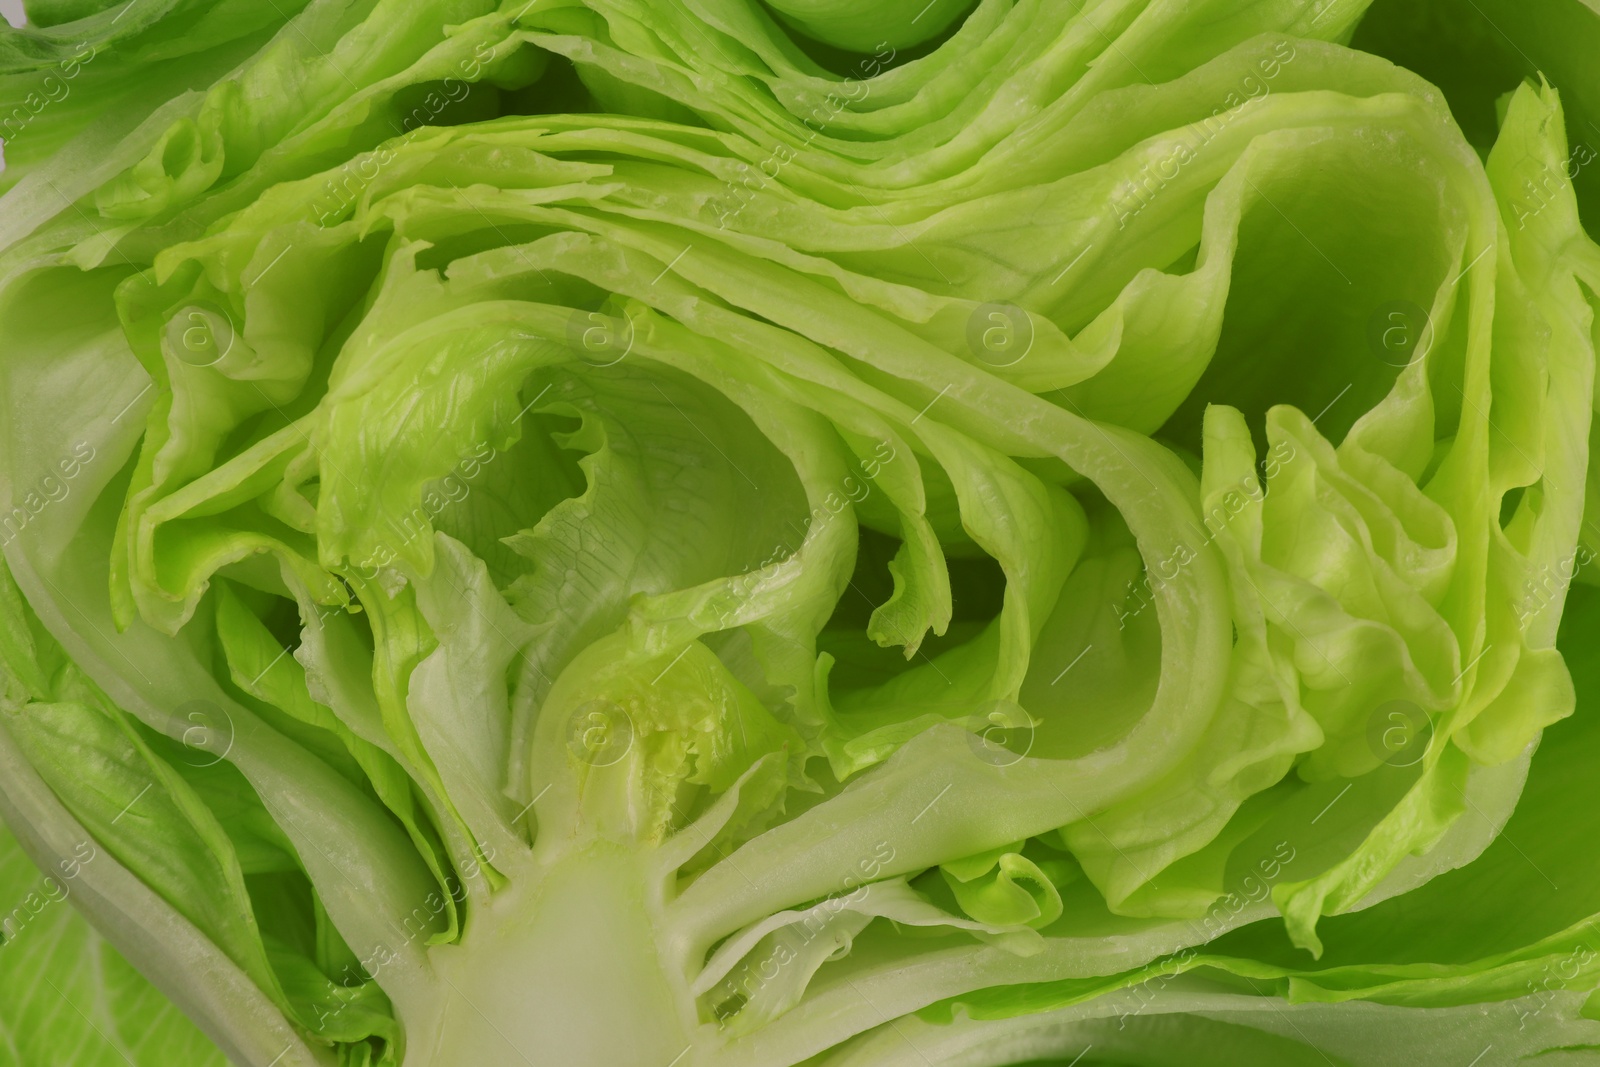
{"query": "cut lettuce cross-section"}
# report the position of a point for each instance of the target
(702, 534)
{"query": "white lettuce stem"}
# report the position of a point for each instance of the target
(575, 931)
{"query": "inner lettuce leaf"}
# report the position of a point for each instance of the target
(737, 535)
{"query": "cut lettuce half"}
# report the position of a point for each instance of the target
(707, 534)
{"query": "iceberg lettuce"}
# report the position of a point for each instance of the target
(711, 535)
